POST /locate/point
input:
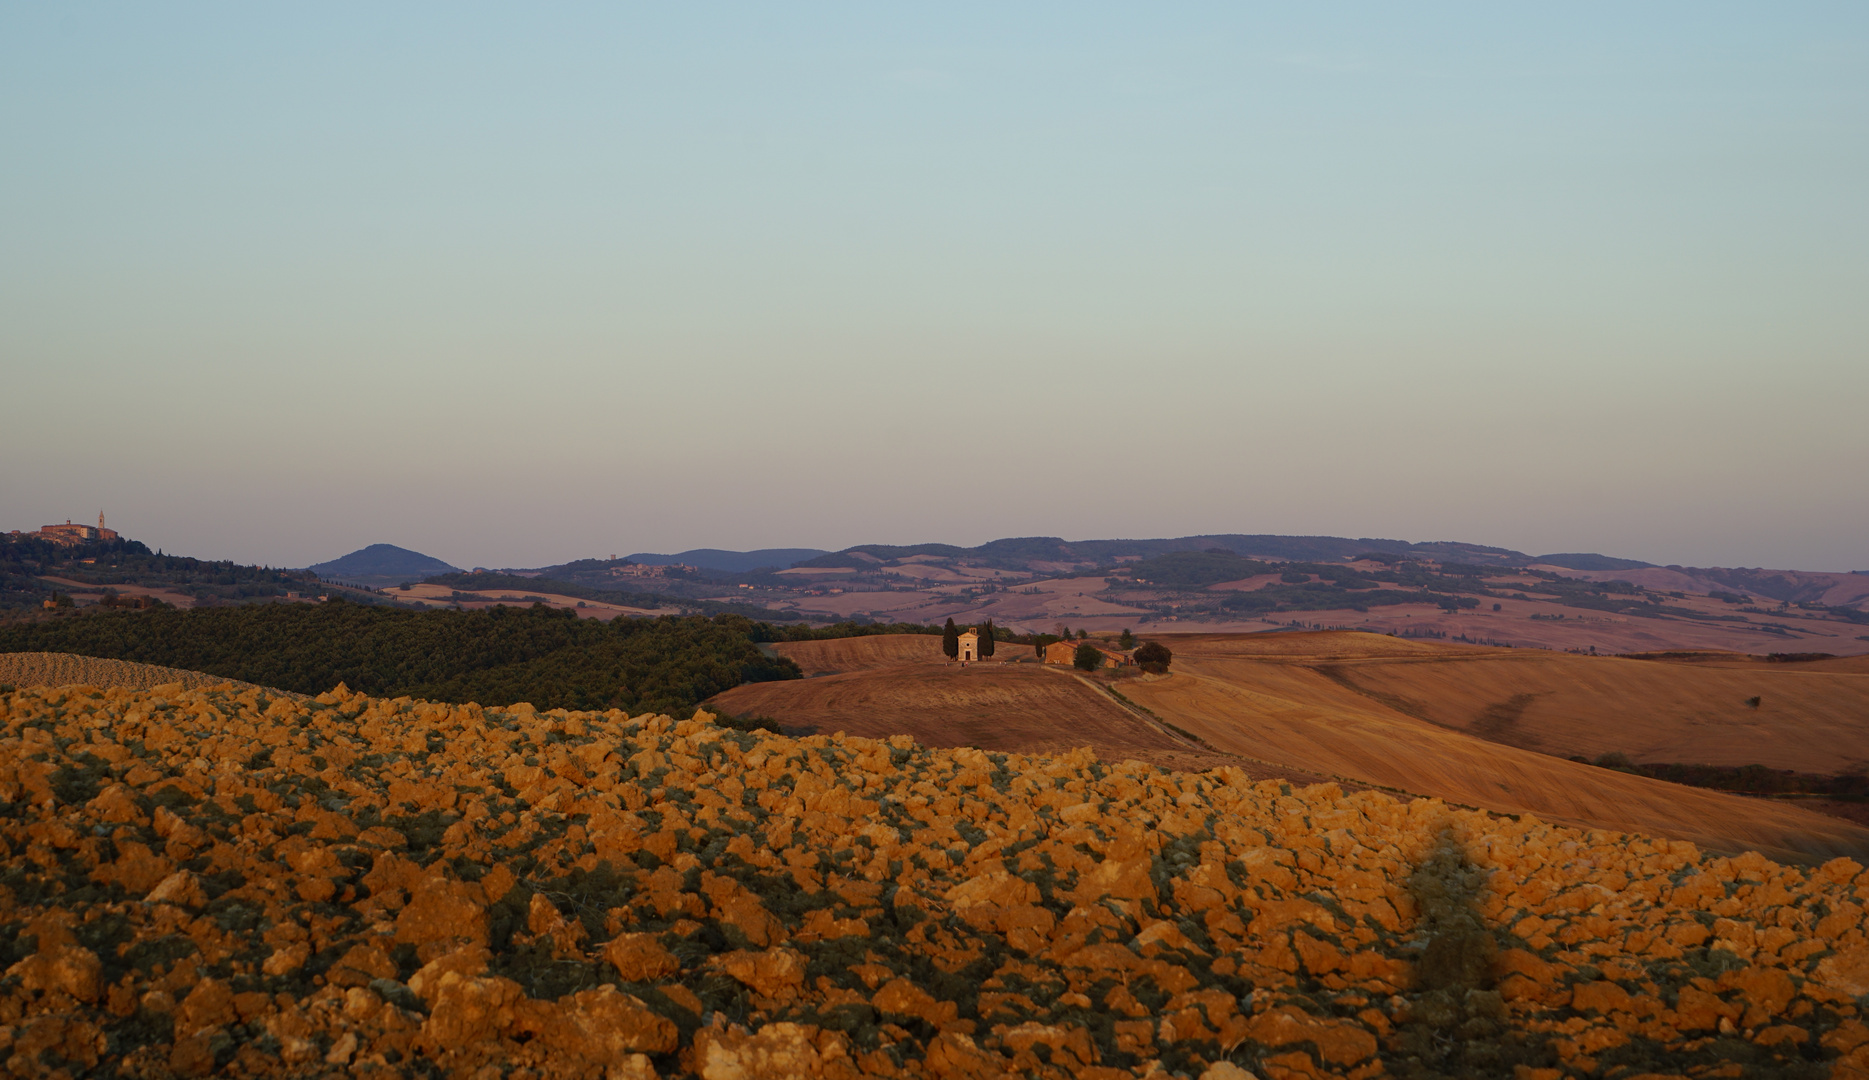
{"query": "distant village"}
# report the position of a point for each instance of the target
(71, 534)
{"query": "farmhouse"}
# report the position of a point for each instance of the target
(1065, 653)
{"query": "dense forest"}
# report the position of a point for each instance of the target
(495, 657)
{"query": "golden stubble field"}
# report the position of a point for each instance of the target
(1355, 707)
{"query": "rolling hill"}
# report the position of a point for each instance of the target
(1283, 701)
(735, 562)
(382, 564)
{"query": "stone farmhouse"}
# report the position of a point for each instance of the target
(1065, 653)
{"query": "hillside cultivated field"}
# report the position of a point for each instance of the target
(65, 669)
(216, 882)
(833, 655)
(1514, 625)
(1809, 718)
(1294, 701)
(1003, 707)
(445, 596)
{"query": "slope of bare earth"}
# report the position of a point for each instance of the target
(1270, 698)
(61, 669)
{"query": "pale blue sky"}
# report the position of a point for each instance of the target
(515, 285)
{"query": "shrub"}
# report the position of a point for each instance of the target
(1087, 658)
(1154, 657)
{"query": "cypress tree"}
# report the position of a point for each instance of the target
(986, 640)
(950, 640)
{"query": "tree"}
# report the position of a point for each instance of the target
(950, 640)
(1154, 657)
(986, 640)
(1087, 657)
(1127, 641)
(1041, 641)
(1083, 635)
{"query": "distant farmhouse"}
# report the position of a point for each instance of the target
(1065, 653)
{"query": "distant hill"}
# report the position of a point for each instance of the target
(1051, 552)
(1586, 561)
(382, 564)
(733, 562)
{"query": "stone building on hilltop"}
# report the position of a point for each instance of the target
(71, 535)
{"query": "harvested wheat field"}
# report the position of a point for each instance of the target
(62, 669)
(1021, 708)
(1290, 706)
(837, 655)
(1808, 718)
(211, 881)
(1273, 700)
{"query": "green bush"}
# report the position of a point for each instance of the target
(1087, 657)
(1154, 658)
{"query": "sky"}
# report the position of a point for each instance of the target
(517, 284)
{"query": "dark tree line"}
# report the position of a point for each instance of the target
(495, 657)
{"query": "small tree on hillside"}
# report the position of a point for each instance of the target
(950, 640)
(986, 640)
(1154, 657)
(1127, 641)
(1083, 635)
(1087, 657)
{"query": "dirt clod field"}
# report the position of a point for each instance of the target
(236, 883)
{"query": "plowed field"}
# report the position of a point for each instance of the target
(203, 882)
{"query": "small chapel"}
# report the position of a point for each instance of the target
(969, 646)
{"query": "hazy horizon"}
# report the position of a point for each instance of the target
(514, 287)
